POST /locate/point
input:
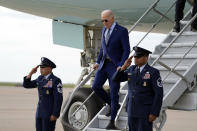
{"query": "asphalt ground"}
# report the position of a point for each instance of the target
(18, 106)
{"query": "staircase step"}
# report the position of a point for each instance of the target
(173, 62)
(171, 75)
(185, 37)
(180, 48)
(175, 56)
(178, 68)
(123, 92)
(184, 22)
(171, 81)
(173, 86)
(168, 84)
(103, 117)
(178, 45)
(103, 121)
(173, 59)
(186, 33)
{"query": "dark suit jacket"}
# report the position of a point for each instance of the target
(118, 47)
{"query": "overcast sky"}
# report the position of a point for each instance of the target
(25, 38)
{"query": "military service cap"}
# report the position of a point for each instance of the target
(45, 62)
(139, 52)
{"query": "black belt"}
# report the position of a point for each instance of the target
(108, 60)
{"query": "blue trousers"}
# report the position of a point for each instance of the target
(102, 75)
(139, 124)
(45, 124)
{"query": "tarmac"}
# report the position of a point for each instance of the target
(18, 106)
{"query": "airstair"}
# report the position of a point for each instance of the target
(176, 58)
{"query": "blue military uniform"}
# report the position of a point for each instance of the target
(50, 98)
(145, 94)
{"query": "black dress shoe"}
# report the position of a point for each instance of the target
(111, 126)
(176, 27)
(109, 111)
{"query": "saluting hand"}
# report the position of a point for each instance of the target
(34, 70)
(127, 63)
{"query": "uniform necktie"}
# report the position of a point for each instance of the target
(138, 71)
(44, 79)
(107, 36)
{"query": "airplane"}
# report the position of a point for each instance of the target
(77, 24)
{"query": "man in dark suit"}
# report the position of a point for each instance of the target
(145, 91)
(114, 50)
(50, 95)
(180, 4)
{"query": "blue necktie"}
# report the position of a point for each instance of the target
(107, 36)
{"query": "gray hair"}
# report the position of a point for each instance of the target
(107, 12)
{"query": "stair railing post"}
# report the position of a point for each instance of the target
(75, 90)
(172, 42)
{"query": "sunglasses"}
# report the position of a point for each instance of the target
(104, 20)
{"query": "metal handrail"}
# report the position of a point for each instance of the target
(177, 36)
(117, 116)
(173, 69)
(156, 23)
(131, 29)
(168, 68)
(75, 90)
(171, 43)
(145, 13)
(153, 26)
(83, 104)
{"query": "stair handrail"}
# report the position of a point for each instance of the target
(183, 57)
(118, 114)
(153, 26)
(82, 83)
(156, 23)
(145, 13)
(152, 7)
(172, 42)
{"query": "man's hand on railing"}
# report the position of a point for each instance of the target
(95, 66)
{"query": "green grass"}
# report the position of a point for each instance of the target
(73, 86)
(10, 84)
(68, 85)
(17, 84)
